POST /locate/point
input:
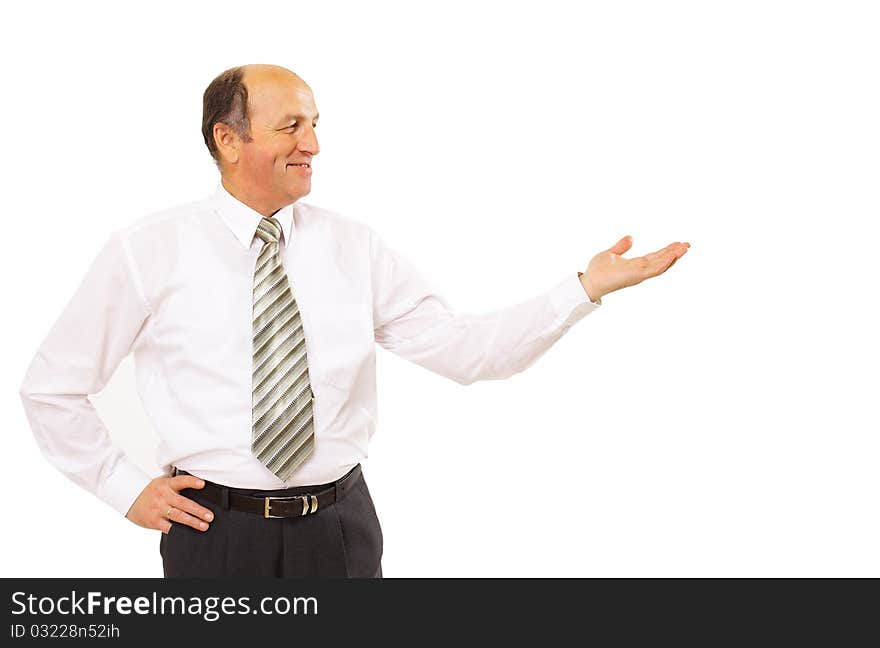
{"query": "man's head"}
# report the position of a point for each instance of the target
(259, 122)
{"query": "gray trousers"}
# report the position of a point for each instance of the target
(343, 540)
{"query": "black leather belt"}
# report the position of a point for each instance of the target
(275, 506)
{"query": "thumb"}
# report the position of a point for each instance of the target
(622, 245)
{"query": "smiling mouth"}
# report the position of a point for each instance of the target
(302, 164)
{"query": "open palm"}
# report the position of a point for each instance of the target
(609, 270)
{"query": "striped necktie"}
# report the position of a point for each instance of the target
(283, 430)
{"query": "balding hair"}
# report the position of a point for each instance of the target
(225, 101)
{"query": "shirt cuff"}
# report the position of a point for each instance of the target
(598, 302)
(123, 486)
(571, 302)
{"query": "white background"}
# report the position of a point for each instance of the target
(714, 421)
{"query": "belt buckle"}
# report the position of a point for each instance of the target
(267, 509)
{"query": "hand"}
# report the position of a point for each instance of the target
(609, 271)
(150, 508)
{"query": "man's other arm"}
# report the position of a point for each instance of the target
(99, 326)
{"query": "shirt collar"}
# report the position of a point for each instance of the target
(243, 220)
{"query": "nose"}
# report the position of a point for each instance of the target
(309, 142)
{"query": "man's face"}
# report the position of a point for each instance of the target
(283, 117)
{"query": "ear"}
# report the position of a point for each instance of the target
(228, 142)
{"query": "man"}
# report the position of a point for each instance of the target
(253, 320)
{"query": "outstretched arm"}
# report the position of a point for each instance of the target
(413, 320)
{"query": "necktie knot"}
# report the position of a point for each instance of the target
(269, 230)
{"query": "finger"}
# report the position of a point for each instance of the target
(186, 481)
(622, 245)
(668, 260)
(167, 526)
(653, 256)
(179, 517)
(192, 507)
(668, 255)
(677, 247)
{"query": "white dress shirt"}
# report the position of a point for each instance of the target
(176, 289)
